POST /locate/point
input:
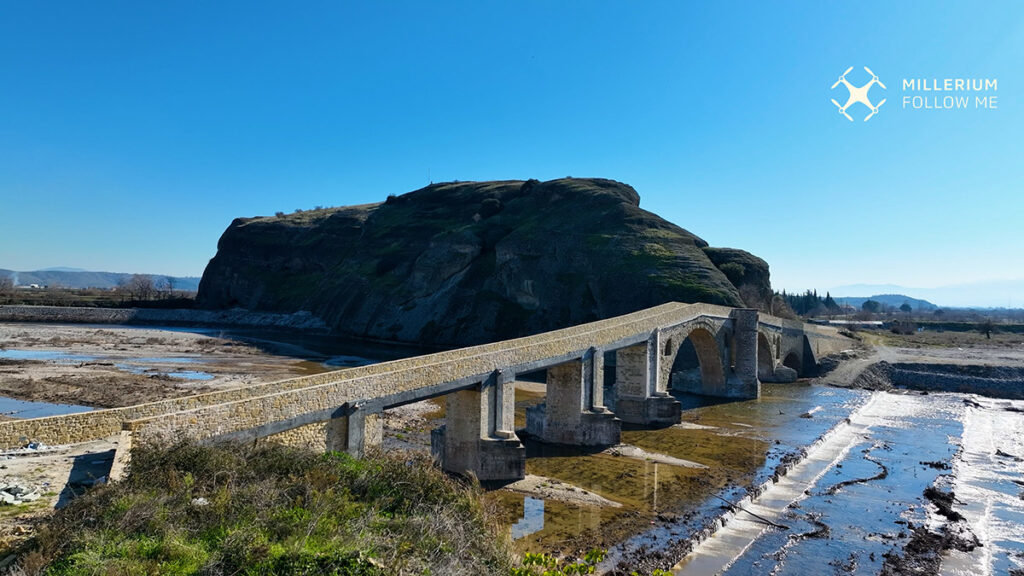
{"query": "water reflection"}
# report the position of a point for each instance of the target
(741, 442)
(26, 409)
(532, 520)
(147, 371)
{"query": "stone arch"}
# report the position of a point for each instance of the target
(698, 364)
(765, 358)
(792, 360)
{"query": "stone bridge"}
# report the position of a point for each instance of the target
(598, 375)
(734, 348)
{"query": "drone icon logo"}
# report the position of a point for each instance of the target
(858, 94)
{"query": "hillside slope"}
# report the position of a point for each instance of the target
(463, 263)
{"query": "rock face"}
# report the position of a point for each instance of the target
(464, 263)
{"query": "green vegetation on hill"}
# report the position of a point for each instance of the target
(464, 263)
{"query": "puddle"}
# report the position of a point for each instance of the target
(190, 375)
(45, 356)
(194, 375)
(536, 523)
(532, 520)
(170, 360)
(23, 409)
(348, 361)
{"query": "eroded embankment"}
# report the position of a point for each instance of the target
(993, 381)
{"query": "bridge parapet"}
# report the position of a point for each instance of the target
(479, 436)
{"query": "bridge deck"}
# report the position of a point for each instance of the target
(411, 379)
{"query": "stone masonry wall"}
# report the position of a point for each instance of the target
(86, 426)
(217, 413)
(380, 380)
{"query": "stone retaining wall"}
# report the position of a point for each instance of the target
(994, 381)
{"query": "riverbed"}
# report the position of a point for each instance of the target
(69, 368)
(852, 466)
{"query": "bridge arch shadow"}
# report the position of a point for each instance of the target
(698, 367)
(765, 358)
(792, 360)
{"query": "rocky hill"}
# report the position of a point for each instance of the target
(469, 262)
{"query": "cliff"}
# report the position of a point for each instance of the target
(464, 263)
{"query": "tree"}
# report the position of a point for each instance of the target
(872, 306)
(6, 286)
(905, 308)
(780, 307)
(830, 303)
(987, 327)
(164, 286)
(139, 286)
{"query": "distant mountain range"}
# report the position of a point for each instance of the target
(990, 294)
(77, 278)
(894, 300)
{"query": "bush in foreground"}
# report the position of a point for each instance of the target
(268, 510)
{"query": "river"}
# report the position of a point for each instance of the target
(853, 499)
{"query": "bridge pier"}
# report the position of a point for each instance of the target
(743, 381)
(479, 434)
(574, 412)
(354, 430)
(641, 398)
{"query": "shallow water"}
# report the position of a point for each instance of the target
(989, 486)
(55, 356)
(741, 442)
(25, 409)
(141, 368)
(839, 525)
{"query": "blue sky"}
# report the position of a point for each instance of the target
(131, 134)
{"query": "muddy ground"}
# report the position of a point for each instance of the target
(108, 367)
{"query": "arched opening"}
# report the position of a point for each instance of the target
(765, 359)
(792, 360)
(698, 365)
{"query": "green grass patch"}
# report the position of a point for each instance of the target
(268, 510)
